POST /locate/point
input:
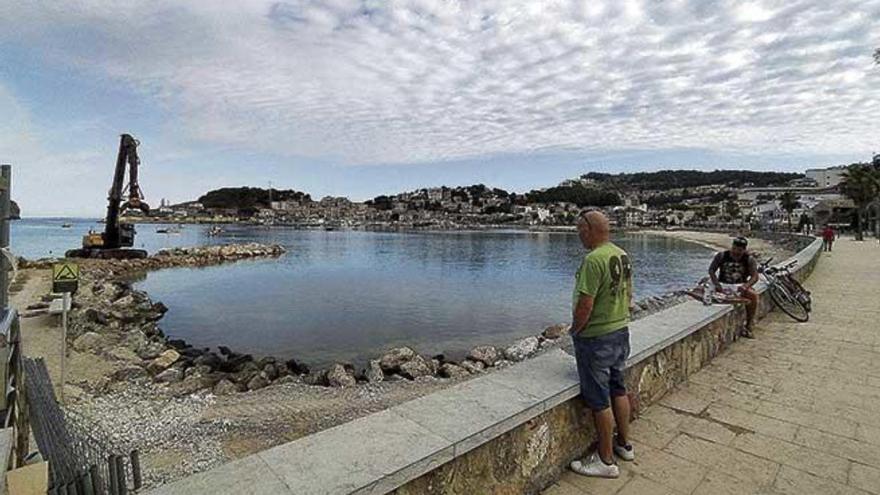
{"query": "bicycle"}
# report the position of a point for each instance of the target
(786, 292)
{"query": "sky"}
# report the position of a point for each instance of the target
(361, 98)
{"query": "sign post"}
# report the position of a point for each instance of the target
(65, 279)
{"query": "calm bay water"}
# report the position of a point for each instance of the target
(349, 295)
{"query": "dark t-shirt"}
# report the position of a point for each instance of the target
(732, 271)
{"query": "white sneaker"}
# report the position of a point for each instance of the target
(626, 452)
(593, 465)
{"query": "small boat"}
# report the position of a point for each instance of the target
(66, 225)
(172, 230)
(214, 230)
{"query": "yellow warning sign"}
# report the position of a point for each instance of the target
(65, 277)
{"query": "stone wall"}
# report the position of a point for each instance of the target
(528, 458)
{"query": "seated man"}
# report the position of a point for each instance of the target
(734, 272)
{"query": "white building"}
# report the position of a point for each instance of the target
(826, 177)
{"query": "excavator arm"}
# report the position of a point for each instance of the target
(118, 235)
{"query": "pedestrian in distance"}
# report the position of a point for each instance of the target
(828, 237)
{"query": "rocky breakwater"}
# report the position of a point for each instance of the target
(405, 363)
(111, 319)
(120, 323)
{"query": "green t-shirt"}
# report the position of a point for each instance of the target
(606, 274)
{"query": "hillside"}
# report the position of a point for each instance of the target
(249, 198)
(15, 214)
(677, 179)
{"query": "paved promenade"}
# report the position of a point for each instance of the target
(795, 411)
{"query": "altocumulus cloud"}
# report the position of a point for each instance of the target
(406, 81)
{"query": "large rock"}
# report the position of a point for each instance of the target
(171, 375)
(338, 376)
(450, 370)
(473, 367)
(374, 372)
(395, 358)
(135, 340)
(555, 331)
(123, 353)
(95, 316)
(88, 342)
(163, 362)
(129, 373)
(486, 354)
(209, 359)
(124, 302)
(225, 387)
(271, 371)
(297, 368)
(151, 350)
(522, 349)
(257, 382)
(415, 368)
(318, 378)
(247, 371)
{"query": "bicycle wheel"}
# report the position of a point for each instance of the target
(788, 303)
(798, 291)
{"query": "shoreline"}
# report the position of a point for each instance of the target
(112, 396)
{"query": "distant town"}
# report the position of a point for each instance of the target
(672, 198)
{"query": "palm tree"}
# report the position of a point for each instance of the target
(789, 202)
(861, 183)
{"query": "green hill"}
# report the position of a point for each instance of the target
(249, 198)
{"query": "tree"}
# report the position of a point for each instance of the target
(732, 210)
(861, 183)
(789, 202)
(877, 56)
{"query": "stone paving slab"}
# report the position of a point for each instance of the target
(792, 412)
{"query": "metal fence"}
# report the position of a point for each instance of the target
(79, 461)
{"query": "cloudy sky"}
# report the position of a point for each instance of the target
(359, 98)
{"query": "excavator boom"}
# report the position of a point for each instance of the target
(117, 235)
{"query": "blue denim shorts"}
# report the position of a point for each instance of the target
(600, 363)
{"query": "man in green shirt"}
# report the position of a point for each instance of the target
(602, 298)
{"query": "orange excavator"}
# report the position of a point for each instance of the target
(117, 236)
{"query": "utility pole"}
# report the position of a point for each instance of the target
(5, 213)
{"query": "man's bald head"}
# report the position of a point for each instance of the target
(593, 227)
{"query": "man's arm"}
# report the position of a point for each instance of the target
(713, 268)
(753, 270)
(582, 313)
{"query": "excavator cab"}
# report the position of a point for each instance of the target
(117, 236)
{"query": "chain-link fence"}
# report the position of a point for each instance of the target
(80, 463)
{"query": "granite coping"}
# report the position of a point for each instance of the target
(382, 451)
